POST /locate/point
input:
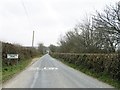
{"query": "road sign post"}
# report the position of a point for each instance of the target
(12, 57)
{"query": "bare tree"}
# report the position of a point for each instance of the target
(100, 33)
(108, 23)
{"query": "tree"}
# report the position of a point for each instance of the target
(53, 48)
(98, 34)
(108, 23)
(41, 48)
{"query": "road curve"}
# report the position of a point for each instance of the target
(48, 72)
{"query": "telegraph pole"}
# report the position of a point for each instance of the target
(33, 39)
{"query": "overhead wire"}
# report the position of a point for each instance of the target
(29, 20)
(26, 12)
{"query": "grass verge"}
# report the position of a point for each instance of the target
(9, 71)
(100, 76)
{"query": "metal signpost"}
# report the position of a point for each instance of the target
(12, 57)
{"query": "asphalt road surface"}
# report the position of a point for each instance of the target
(48, 72)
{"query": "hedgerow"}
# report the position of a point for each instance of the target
(99, 63)
(24, 53)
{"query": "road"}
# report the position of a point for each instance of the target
(48, 72)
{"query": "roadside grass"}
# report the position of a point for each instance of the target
(0, 71)
(0, 76)
(100, 76)
(9, 71)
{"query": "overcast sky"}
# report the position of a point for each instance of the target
(48, 18)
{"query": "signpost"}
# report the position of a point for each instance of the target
(12, 57)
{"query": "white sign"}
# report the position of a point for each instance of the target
(12, 56)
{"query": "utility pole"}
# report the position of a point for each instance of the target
(33, 39)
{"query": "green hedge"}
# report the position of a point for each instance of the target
(100, 63)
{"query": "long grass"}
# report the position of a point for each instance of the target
(9, 71)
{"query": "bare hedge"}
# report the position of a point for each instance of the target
(100, 63)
